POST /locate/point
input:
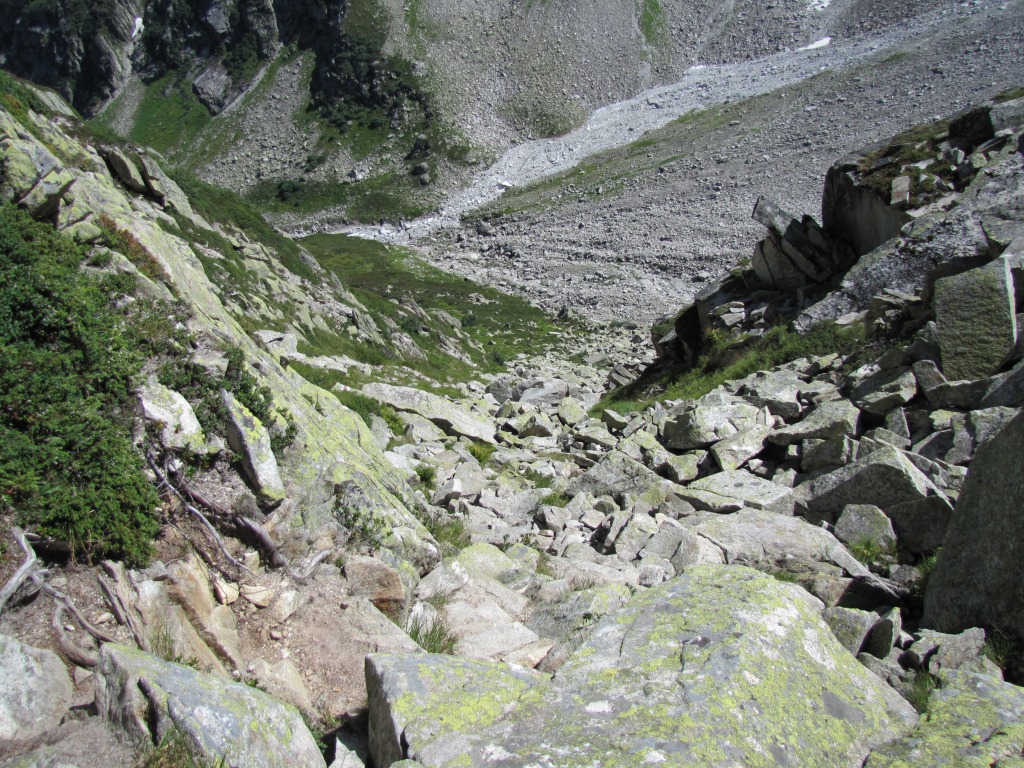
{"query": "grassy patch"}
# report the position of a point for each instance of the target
(653, 22)
(482, 452)
(919, 690)
(380, 277)
(760, 353)
(433, 636)
(173, 751)
(170, 117)
(556, 500)
(18, 99)
(868, 551)
(427, 475)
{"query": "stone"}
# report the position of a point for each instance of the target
(671, 677)
(379, 583)
(682, 469)
(830, 419)
(35, 690)
(883, 478)
(616, 474)
(570, 411)
(249, 438)
(829, 454)
(452, 418)
(635, 535)
(467, 483)
(174, 417)
(850, 626)
(123, 169)
(757, 538)
(715, 417)
(973, 719)
(778, 391)
(748, 489)
(976, 319)
(979, 576)
(147, 697)
(614, 420)
(885, 390)
(733, 452)
(859, 523)
(283, 681)
(921, 525)
(548, 393)
(884, 634)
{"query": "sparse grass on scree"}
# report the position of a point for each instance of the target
(380, 276)
(774, 348)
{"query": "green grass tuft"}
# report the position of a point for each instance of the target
(433, 637)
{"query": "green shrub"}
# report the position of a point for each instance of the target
(482, 452)
(556, 500)
(868, 551)
(920, 688)
(427, 475)
(68, 365)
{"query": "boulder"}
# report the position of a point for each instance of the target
(747, 489)
(379, 583)
(715, 417)
(147, 698)
(123, 169)
(885, 390)
(861, 523)
(850, 626)
(979, 576)
(671, 678)
(733, 452)
(883, 478)
(616, 474)
(35, 690)
(977, 322)
(830, 419)
(453, 419)
(973, 719)
(249, 438)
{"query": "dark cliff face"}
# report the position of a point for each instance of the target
(86, 52)
(76, 47)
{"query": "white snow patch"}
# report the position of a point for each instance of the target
(818, 44)
(138, 27)
(819, 5)
(599, 707)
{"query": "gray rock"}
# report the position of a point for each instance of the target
(778, 391)
(883, 478)
(452, 418)
(249, 438)
(979, 577)
(733, 452)
(621, 693)
(830, 419)
(123, 169)
(35, 690)
(850, 626)
(715, 417)
(748, 489)
(177, 422)
(885, 390)
(921, 525)
(467, 483)
(973, 719)
(865, 523)
(828, 454)
(635, 535)
(147, 697)
(884, 634)
(616, 474)
(977, 321)
(570, 411)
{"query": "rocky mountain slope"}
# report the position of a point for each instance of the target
(794, 510)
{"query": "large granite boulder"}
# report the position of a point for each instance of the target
(723, 666)
(35, 691)
(147, 698)
(979, 577)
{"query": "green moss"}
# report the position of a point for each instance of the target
(653, 22)
(169, 118)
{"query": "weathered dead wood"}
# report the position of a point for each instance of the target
(24, 570)
(77, 655)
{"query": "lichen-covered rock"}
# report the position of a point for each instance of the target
(749, 490)
(616, 474)
(452, 418)
(35, 690)
(885, 477)
(723, 666)
(973, 719)
(830, 419)
(979, 577)
(416, 699)
(977, 321)
(249, 437)
(147, 697)
(179, 427)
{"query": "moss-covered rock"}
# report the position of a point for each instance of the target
(722, 666)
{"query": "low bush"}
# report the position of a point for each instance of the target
(68, 368)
